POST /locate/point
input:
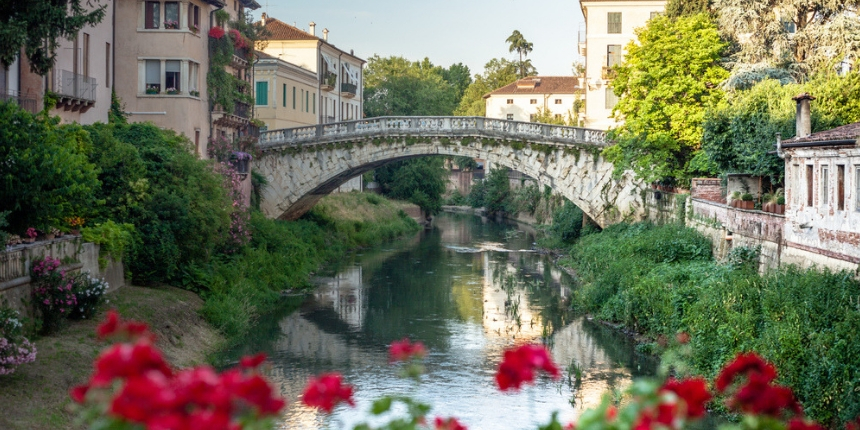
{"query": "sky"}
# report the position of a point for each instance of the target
(446, 31)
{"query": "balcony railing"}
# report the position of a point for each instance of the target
(26, 103)
(242, 110)
(608, 73)
(348, 90)
(329, 81)
(75, 86)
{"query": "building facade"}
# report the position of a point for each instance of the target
(609, 27)
(285, 93)
(161, 69)
(526, 98)
(340, 80)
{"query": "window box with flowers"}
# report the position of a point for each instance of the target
(172, 91)
(194, 93)
(194, 28)
(171, 25)
(152, 90)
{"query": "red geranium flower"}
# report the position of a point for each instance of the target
(326, 391)
(449, 424)
(744, 364)
(113, 327)
(251, 362)
(693, 391)
(216, 32)
(800, 424)
(853, 425)
(759, 396)
(404, 350)
(518, 366)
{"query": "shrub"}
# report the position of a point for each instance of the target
(15, 349)
(113, 239)
(52, 293)
(89, 293)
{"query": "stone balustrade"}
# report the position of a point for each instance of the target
(432, 126)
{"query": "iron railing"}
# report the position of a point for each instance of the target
(76, 86)
(348, 88)
(26, 103)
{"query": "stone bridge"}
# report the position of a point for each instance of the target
(306, 163)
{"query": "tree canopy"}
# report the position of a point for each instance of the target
(38, 26)
(497, 73)
(397, 86)
(668, 79)
(518, 43)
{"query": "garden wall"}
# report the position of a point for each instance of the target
(15, 288)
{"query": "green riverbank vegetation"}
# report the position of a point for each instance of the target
(174, 218)
(662, 281)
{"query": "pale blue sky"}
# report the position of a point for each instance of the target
(446, 31)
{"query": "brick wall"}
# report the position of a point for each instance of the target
(707, 189)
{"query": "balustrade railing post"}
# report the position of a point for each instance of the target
(320, 130)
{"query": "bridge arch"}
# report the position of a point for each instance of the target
(304, 164)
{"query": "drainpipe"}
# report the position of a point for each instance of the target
(779, 152)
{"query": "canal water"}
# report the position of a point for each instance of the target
(468, 289)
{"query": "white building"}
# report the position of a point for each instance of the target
(525, 98)
(609, 27)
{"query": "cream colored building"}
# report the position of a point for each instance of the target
(609, 27)
(525, 98)
(339, 73)
(286, 94)
(163, 61)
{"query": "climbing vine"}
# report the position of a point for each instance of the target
(225, 89)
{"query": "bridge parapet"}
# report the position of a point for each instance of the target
(432, 126)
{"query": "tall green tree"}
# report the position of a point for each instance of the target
(497, 74)
(397, 86)
(679, 8)
(664, 86)
(774, 38)
(38, 25)
(518, 43)
(421, 181)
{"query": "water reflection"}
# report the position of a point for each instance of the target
(468, 290)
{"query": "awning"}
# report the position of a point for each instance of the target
(331, 63)
(352, 72)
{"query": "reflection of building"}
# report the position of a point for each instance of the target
(609, 26)
(345, 294)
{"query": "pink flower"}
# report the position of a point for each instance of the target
(518, 366)
(404, 350)
(327, 391)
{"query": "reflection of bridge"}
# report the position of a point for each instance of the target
(305, 163)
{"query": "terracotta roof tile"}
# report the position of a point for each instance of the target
(282, 31)
(848, 131)
(542, 85)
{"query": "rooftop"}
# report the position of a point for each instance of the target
(541, 85)
(845, 132)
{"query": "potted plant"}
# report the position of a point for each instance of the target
(194, 93)
(171, 25)
(152, 89)
(31, 235)
(75, 224)
(736, 199)
(780, 205)
(747, 201)
(52, 233)
(172, 91)
(194, 28)
(768, 200)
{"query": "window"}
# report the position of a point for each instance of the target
(840, 187)
(654, 14)
(314, 98)
(107, 65)
(193, 17)
(171, 15)
(532, 118)
(152, 14)
(85, 55)
(558, 116)
(294, 97)
(153, 75)
(193, 76)
(302, 97)
(789, 27)
(825, 186)
(262, 94)
(307, 101)
(613, 20)
(533, 101)
(558, 101)
(284, 96)
(611, 98)
(809, 187)
(857, 188)
(613, 55)
(171, 74)
(510, 101)
(510, 117)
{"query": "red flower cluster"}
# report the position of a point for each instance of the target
(112, 327)
(216, 32)
(142, 388)
(669, 412)
(799, 424)
(694, 393)
(239, 41)
(448, 424)
(518, 366)
(758, 395)
(327, 391)
(404, 350)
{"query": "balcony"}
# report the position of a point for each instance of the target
(607, 73)
(348, 90)
(239, 117)
(241, 57)
(26, 103)
(329, 81)
(75, 92)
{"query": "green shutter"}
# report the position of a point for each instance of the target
(294, 97)
(314, 96)
(284, 96)
(262, 93)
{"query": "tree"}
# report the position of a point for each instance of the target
(523, 47)
(460, 77)
(679, 8)
(798, 37)
(38, 25)
(497, 74)
(664, 85)
(397, 86)
(421, 181)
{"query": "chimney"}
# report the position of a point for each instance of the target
(325, 34)
(803, 122)
(264, 17)
(312, 28)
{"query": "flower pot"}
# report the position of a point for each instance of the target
(75, 232)
(767, 207)
(779, 209)
(29, 240)
(49, 236)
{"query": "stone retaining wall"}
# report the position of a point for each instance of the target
(76, 255)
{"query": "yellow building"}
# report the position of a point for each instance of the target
(285, 94)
